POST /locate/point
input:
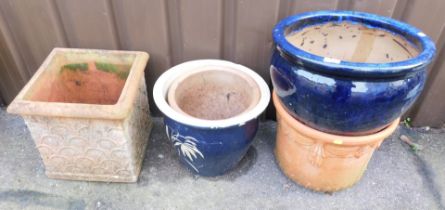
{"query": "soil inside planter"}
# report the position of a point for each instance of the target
(90, 83)
(353, 42)
(215, 95)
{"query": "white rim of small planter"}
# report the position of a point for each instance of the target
(164, 82)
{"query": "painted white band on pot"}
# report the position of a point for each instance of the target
(164, 82)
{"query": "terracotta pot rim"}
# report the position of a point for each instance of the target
(331, 138)
(171, 99)
(23, 106)
(164, 82)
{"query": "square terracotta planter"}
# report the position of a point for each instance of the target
(97, 132)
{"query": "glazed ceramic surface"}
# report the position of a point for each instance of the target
(209, 147)
(343, 97)
(207, 151)
(91, 142)
(322, 161)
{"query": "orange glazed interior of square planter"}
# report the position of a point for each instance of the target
(213, 94)
(90, 83)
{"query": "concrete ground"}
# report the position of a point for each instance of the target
(397, 178)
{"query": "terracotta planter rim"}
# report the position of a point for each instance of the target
(162, 85)
(332, 138)
(227, 70)
(82, 110)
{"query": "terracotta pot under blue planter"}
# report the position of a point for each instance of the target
(211, 110)
(339, 95)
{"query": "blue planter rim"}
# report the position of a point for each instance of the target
(356, 69)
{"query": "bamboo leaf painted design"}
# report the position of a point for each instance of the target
(185, 145)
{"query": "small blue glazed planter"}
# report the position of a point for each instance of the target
(347, 98)
(209, 147)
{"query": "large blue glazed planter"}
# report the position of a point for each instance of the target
(209, 147)
(341, 97)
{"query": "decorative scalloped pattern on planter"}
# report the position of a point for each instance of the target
(94, 149)
(83, 139)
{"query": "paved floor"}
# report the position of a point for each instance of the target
(397, 178)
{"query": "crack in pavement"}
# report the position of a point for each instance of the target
(30, 198)
(427, 174)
